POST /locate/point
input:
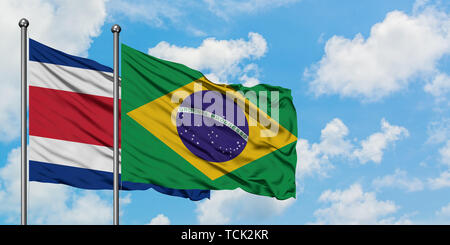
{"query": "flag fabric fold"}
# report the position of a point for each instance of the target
(208, 136)
(71, 123)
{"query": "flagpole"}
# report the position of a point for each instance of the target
(23, 24)
(115, 29)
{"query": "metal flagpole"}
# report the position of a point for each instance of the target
(23, 23)
(115, 29)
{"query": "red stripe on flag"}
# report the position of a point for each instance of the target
(71, 116)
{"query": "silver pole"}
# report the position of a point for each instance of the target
(23, 24)
(116, 30)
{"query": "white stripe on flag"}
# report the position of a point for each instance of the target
(72, 154)
(71, 79)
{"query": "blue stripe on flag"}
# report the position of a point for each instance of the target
(42, 53)
(98, 180)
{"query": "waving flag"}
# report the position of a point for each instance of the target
(208, 136)
(71, 123)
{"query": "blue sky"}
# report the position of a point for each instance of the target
(370, 82)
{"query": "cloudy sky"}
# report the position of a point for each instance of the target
(370, 81)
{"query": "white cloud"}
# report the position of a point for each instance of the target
(52, 22)
(444, 211)
(354, 206)
(249, 81)
(372, 148)
(250, 74)
(439, 86)
(443, 180)
(9, 108)
(10, 183)
(399, 180)
(419, 5)
(230, 206)
(49, 203)
(86, 208)
(398, 49)
(160, 219)
(332, 138)
(228, 8)
(316, 158)
(438, 131)
(222, 59)
(440, 182)
(445, 153)
(311, 160)
(66, 25)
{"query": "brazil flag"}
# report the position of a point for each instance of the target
(181, 131)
